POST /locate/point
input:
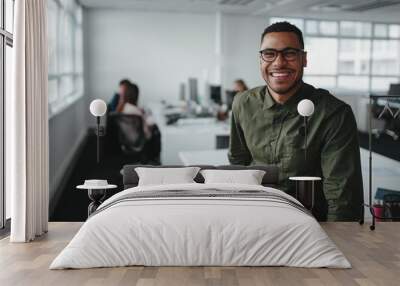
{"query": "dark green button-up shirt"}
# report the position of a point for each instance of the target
(265, 132)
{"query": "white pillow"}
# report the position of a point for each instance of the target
(163, 176)
(248, 177)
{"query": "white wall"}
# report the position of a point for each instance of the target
(241, 43)
(156, 50)
(161, 50)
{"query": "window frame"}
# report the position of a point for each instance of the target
(62, 101)
(6, 39)
(339, 36)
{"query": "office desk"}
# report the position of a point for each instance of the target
(190, 137)
(204, 157)
(187, 135)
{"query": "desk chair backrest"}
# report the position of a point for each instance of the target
(394, 89)
(130, 132)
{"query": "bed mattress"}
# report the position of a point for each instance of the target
(201, 225)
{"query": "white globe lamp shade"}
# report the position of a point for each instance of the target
(98, 107)
(305, 107)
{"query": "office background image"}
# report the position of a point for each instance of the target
(168, 53)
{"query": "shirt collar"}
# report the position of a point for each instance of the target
(290, 104)
(268, 100)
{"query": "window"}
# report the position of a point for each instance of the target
(355, 29)
(52, 28)
(8, 87)
(353, 82)
(381, 84)
(380, 31)
(386, 57)
(321, 50)
(295, 21)
(325, 81)
(6, 43)
(9, 15)
(65, 54)
(312, 27)
(328, 28)
(362, 56)
(354, 56)
(394, 31)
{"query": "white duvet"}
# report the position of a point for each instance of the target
(200, 231)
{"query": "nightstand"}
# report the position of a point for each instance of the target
(96, 195)
(305, 189)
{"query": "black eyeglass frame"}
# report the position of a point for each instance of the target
(298, 52)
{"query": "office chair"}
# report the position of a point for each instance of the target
(389, 114)
(394, 89)
(130, 133)
(126, 136)
(230, 94)
(131, 140)
(393, 124)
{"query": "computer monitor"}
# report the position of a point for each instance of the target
(215, 93)
(230, 94)
(182, 93)
(193, 92)
(394, 89)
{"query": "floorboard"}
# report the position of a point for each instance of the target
(374, 255)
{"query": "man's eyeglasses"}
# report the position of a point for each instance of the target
(289, 54)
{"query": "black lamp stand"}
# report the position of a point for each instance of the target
(99, 132)
(303, 132)
(305, 138)
(98, 138)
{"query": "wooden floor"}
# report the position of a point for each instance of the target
(374, 255)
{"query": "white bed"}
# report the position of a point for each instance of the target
(202, 231)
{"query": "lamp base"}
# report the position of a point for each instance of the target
(306, 188)
(305, 193)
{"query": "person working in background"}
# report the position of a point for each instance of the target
(112, 105)
(266, 128)
(239, 85)
(127, 104)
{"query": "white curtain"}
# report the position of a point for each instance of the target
(27, 123)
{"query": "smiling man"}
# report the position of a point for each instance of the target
(266, 128)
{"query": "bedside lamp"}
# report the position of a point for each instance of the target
(305, 109)
(306, 184)
(98, 108)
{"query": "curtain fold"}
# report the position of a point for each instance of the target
(27, 152)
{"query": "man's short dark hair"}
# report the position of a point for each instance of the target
(125, 81)
(284, 27)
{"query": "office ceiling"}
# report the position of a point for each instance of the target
(375, 10)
